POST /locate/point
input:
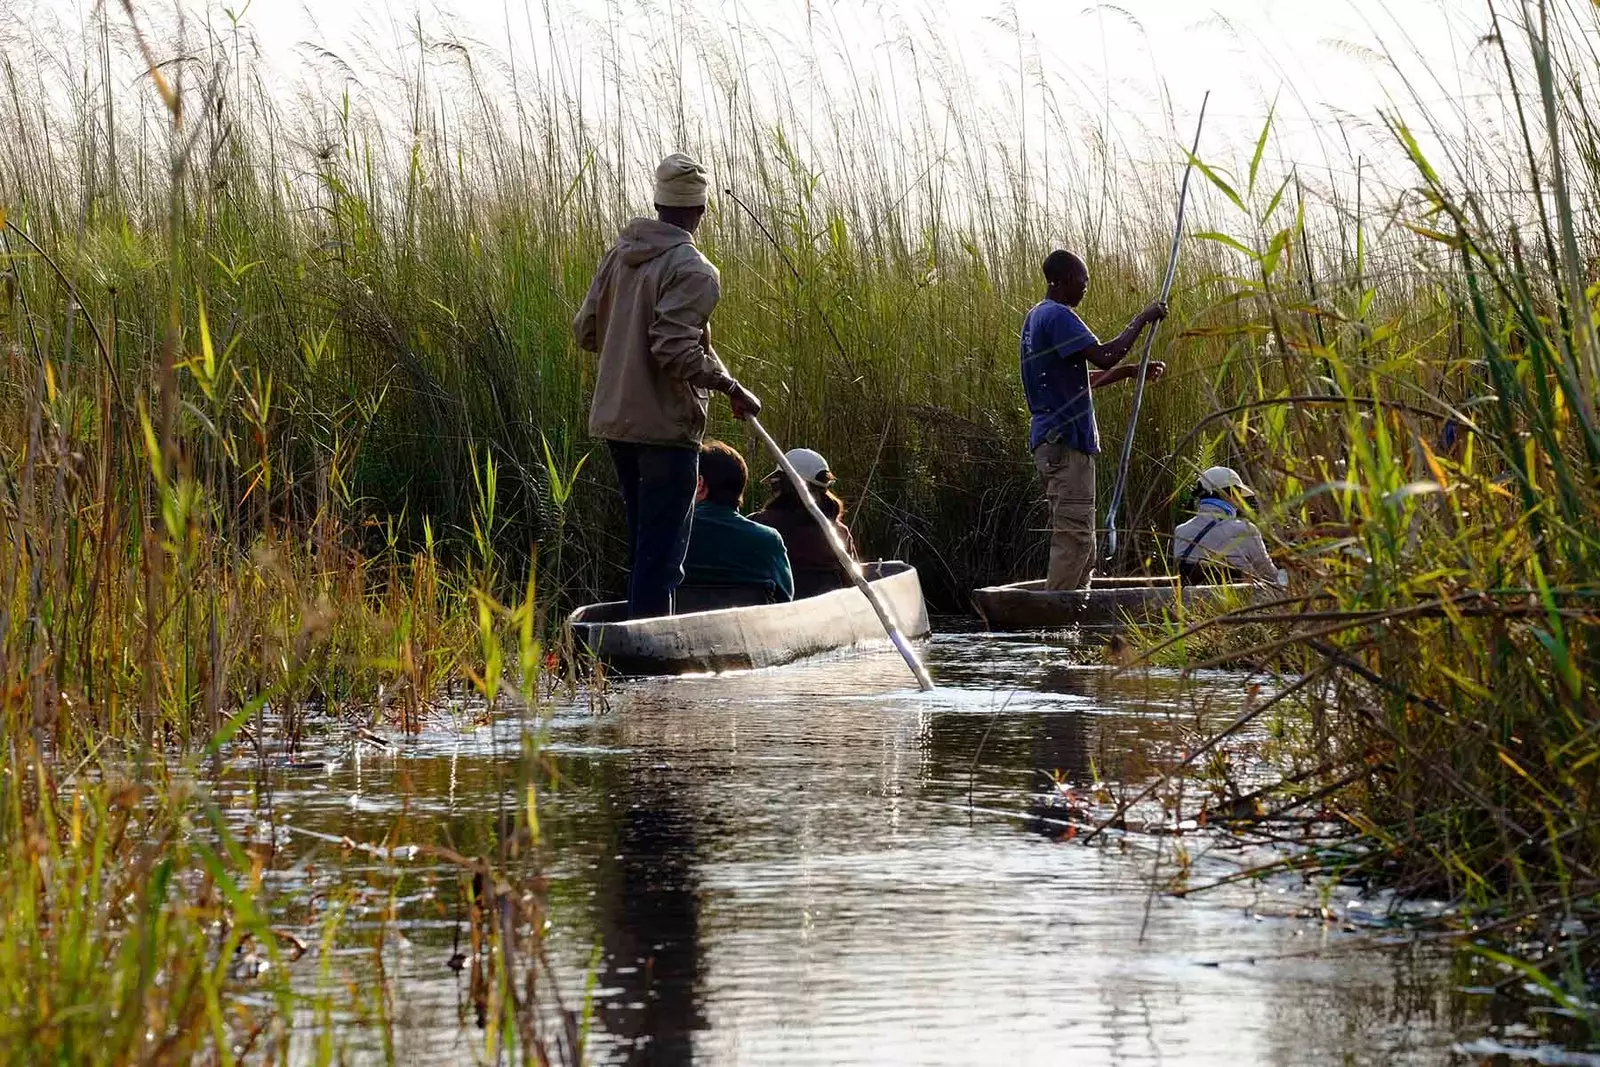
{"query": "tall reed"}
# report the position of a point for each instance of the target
(291, 404)
(1433, 456)
(185, 581)
(404, 278)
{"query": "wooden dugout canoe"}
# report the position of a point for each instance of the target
(765, 635)
(1108, 603)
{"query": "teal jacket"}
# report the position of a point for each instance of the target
(725, 548)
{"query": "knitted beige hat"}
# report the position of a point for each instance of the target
(680, 182)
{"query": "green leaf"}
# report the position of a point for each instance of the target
(1532, 972)
(1261, 146)
(577, 468)
(237, 721)
(245, 912)
(838, 236)
(1231, 242)
(158, 466)
(1216, 179)
(1277, 198)
(1269, 262)
(312, 353)
(1365, 306)
(1414, 150)
(208, 352)
(1555, 641)
(1453, 240)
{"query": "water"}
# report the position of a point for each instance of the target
(783, 867)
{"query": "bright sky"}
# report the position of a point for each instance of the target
(1329, 64)
(1322, 56)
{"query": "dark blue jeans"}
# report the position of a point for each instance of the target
(658, 484)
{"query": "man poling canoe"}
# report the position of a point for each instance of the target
(647, 315)
(1057, 353)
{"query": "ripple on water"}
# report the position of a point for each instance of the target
(783, 867)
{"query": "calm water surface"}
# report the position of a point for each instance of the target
(782, 867)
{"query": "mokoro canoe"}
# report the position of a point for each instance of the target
(1108, 603)
(764, 635)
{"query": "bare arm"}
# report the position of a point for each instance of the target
(1116, 374)
(1110, 353)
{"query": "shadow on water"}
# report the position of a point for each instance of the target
(783, 867)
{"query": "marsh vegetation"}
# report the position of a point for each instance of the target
(291, 441)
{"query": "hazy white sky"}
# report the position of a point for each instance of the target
(1138, 67)
(1243, 50)
(1318, 58)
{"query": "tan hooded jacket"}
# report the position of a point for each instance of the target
(645, 312)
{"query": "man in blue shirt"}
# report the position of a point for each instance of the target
(725, 548)
(1057, 353)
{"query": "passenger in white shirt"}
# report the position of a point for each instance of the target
(1217, 538)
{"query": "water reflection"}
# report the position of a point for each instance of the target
(783, 867)
(647, 914)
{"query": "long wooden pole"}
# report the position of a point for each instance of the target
(851, 567)
(1120, 488)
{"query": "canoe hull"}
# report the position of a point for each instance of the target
(1108, 604)
(745, 638)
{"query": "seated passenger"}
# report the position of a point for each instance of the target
(816, 568)
(1217, 543)
(725, 548)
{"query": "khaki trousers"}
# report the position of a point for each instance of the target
(1069, 486)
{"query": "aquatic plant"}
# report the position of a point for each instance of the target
(405, 283)
(1439, 453)
(290, 412)
(185, 584)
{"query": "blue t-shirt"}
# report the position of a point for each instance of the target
(1055, 378)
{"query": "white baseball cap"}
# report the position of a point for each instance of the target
(1220, 479)
(809, 465)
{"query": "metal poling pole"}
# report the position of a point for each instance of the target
(1120, 487)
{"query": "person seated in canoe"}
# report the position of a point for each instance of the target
(1219, 543)
(1058, 352)
(725, 548)
(816, 568)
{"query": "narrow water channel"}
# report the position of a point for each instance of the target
(786, 867)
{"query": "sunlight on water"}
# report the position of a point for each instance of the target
(782, 867)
